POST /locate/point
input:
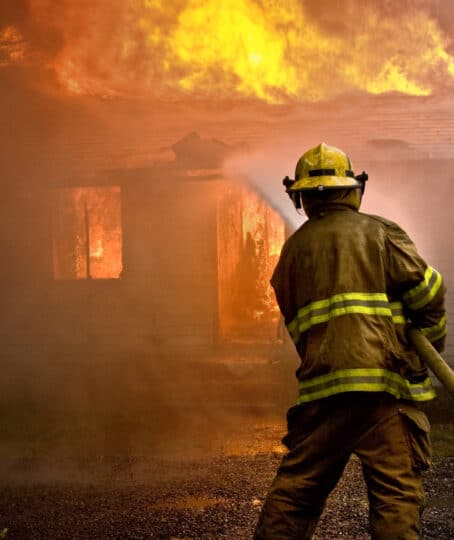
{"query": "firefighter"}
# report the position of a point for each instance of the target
(349, 285)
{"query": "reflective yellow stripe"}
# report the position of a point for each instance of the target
(361, 297)
(397, 309)
(293, 330)
(343, 304)
(365, 310)
(421, 286)
(364, 380)
(437, 331)
(423, 293)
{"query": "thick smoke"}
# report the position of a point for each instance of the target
(403, 186)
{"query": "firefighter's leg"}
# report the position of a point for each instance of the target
(304, 479)
(394, 453)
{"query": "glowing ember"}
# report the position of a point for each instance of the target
(273, 51)
(250, 237)
(98, 252)
(87, 233)
(13, 47)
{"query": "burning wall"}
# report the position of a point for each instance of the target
(250, 237)
(87, 240)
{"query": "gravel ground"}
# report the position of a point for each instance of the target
(211, 499)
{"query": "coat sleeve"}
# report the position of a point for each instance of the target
(419, 286)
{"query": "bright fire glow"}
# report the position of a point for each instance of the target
(250, 237)
(13, 48)
(87, 214)
(269, 50)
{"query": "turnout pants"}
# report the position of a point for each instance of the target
(390, 437)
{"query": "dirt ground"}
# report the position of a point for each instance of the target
(209, 497)
(168, 450)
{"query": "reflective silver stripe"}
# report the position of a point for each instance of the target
(423, 293)
(437, 331)
(364, 380)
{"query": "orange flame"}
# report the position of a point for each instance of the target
(250, 237)
(93, 215)
(265, 50)
(13, 48)
(98, 252)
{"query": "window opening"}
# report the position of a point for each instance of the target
(87, 233)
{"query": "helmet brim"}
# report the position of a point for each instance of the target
(320, 183)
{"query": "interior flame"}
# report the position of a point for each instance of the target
(87, 233)
(250, 238)
(272, 51)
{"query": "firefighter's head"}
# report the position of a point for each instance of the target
(325, 174)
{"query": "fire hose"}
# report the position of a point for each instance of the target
(432, 358)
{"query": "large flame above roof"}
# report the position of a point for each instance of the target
(271, 50)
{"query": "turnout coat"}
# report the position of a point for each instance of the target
(348, 284)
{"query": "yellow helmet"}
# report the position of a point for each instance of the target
(323, 167)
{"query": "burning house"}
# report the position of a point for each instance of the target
(174, 258)
(188, 273)
(171, 258)
(124, 235)
(142, 149)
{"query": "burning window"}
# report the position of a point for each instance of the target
(87, 235)
(250, 237)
